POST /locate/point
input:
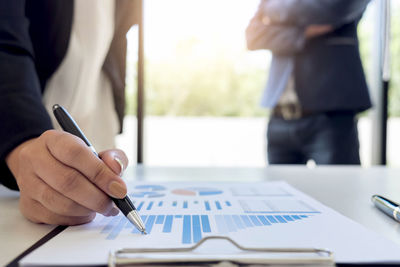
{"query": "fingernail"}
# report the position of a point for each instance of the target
(113, 212)
(117, 190)
(121, 165)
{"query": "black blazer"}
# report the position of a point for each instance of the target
(34, 37)
(328, 73)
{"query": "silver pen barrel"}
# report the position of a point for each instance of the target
(134, 218)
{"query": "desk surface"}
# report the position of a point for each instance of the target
(345, 189)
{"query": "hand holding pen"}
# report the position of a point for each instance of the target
(123, 203)
(62, 182)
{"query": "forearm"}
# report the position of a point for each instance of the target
(308, 12)
(22, 114)
(283, 40)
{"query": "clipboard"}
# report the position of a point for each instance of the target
(246, 257)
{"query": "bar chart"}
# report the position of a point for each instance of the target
(186, 213)
(203, 205)
(194, 227)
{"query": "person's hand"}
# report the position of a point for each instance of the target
(62, 182)
(312, 31)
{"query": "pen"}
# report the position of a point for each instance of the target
(68, 124)
(389, 207)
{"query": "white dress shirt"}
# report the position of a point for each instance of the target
(79, 84)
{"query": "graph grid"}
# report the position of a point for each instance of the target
(195, 226)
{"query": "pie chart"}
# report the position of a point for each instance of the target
(196, 191)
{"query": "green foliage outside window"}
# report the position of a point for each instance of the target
(225, 83)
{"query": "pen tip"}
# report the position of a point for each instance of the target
(144, 232)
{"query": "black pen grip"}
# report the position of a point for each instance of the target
(124, 204)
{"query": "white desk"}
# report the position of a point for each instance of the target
(345, 189)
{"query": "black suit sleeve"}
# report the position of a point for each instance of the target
(305, 12)
(22, 114)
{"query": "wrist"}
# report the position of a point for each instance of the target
(13, 158)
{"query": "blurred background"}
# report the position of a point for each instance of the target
(203, 88)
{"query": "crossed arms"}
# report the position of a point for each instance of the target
(283, 26)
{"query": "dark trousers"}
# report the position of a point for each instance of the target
(327, 138)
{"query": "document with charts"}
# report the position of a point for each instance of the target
(268, 214)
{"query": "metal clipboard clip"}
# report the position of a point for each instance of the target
(245, 256)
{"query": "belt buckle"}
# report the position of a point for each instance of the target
(291, 112)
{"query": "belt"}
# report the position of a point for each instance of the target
(290, 112)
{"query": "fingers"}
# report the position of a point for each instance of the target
(73, 152)
(60, 204)
(71, 184)
(62, 182)
(37, 213)
(115, 159)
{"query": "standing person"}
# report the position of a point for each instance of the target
(316, 82)
(70, 53)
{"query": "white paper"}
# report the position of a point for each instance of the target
(269, 214)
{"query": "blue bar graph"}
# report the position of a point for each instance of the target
(208, 205)
(187, 231)
(263, 220)
(109, 226)
(150, 222)
(160, 219)
(150, 205)
(194, 227)
(288, 218)
(168, 224)
(272, 219)
(238, 222)
(280, 219)
(229, 223)
(205, 223)
(296, 217)
(140, 205)
(246, 220)
(254, 220)
(117, 229)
